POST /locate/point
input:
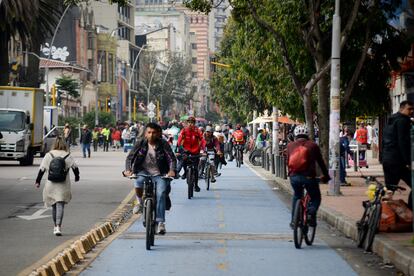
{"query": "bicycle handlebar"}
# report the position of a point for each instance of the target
(389, 187)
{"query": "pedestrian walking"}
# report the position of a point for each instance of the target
(95, 138)
(57, 189)
(361, 136)
(106, 137)
(67, 132)
(396, 148)
(85, 140)
(116, 139)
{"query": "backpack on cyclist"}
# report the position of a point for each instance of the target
(238, 136)
(57, 169)
(299, 159)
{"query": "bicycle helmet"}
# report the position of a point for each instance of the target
(300, 130)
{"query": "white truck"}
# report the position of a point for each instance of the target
(21, 123)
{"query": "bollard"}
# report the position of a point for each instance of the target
(72, 255)
(272, 160)
(57, 267)
(45, 270)
(263, 158)
(78, 251)
(64, 260)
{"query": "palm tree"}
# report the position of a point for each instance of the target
(31, 21)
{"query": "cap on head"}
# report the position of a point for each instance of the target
(209, 129)
(218, 128)
(300, 130)
(85, 126)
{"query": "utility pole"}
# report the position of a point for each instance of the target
(334, 157)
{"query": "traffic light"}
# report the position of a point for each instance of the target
(108, 104)
(58, 97)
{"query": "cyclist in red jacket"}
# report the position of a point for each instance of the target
(189, 141)
(238, 138)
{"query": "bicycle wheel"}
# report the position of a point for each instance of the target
(297, 229)
(208, 176)
(362, 227)
(309, 234)
(190, 183)
(148, 223)
(373, 224)
(238, 158)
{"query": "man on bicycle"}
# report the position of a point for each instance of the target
(210, 143)
(153, 156)
(302, 156)
(189, 141)
(238, 139)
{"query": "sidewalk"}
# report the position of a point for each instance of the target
(342, 213)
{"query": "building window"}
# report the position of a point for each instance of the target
(111, 68)
(102, 61)
(194, 60)
(192, 33)
(194, 74)
(194, 89)
(90, 41)
(194, 46)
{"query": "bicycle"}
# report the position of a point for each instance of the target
(191, 173)
(208, 172)
(239, 151)
(368, 225)
(301, 228)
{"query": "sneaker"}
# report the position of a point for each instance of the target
(57, 231)
(292, 225)
(137, 209)
(213, 180)
(196, 188)
(312, 220)
(183, 176)
(161, 228)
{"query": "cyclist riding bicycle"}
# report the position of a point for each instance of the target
(210, 143)
(189, 141)
(238, 138)
(153, 156)
(303, 154)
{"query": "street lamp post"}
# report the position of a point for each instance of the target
(129, 82)
(334, 157)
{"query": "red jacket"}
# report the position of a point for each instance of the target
(190, 139)
(238, 134)
(212, 144)
(116, 135)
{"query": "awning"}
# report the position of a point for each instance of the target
(281, 119)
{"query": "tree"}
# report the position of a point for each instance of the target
(299, 33)
(69, 85)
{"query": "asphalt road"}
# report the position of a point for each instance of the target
(240, 227)
(98, 193)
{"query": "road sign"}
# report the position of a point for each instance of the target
(151, 114)
(151, 106)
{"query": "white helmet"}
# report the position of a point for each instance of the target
(300, 129)
(218, 128)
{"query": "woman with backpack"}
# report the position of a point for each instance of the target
(57, 190)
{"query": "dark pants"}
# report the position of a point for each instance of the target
(106, 144)
(393, 173)
(299, 183)
(95, 145)
(342, 171)
(185, 164)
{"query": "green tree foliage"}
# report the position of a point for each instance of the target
(283, 48)
(105, 118)
(68, 85)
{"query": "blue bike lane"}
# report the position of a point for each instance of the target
(239, 227)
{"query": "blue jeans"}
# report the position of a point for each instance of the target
(300, 182)
(86, 147)
(162, 185)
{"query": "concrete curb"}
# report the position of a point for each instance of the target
(387, 249)
(74, 254)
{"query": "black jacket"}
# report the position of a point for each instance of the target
(86, 137)
(396, 146)
(165, 157)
